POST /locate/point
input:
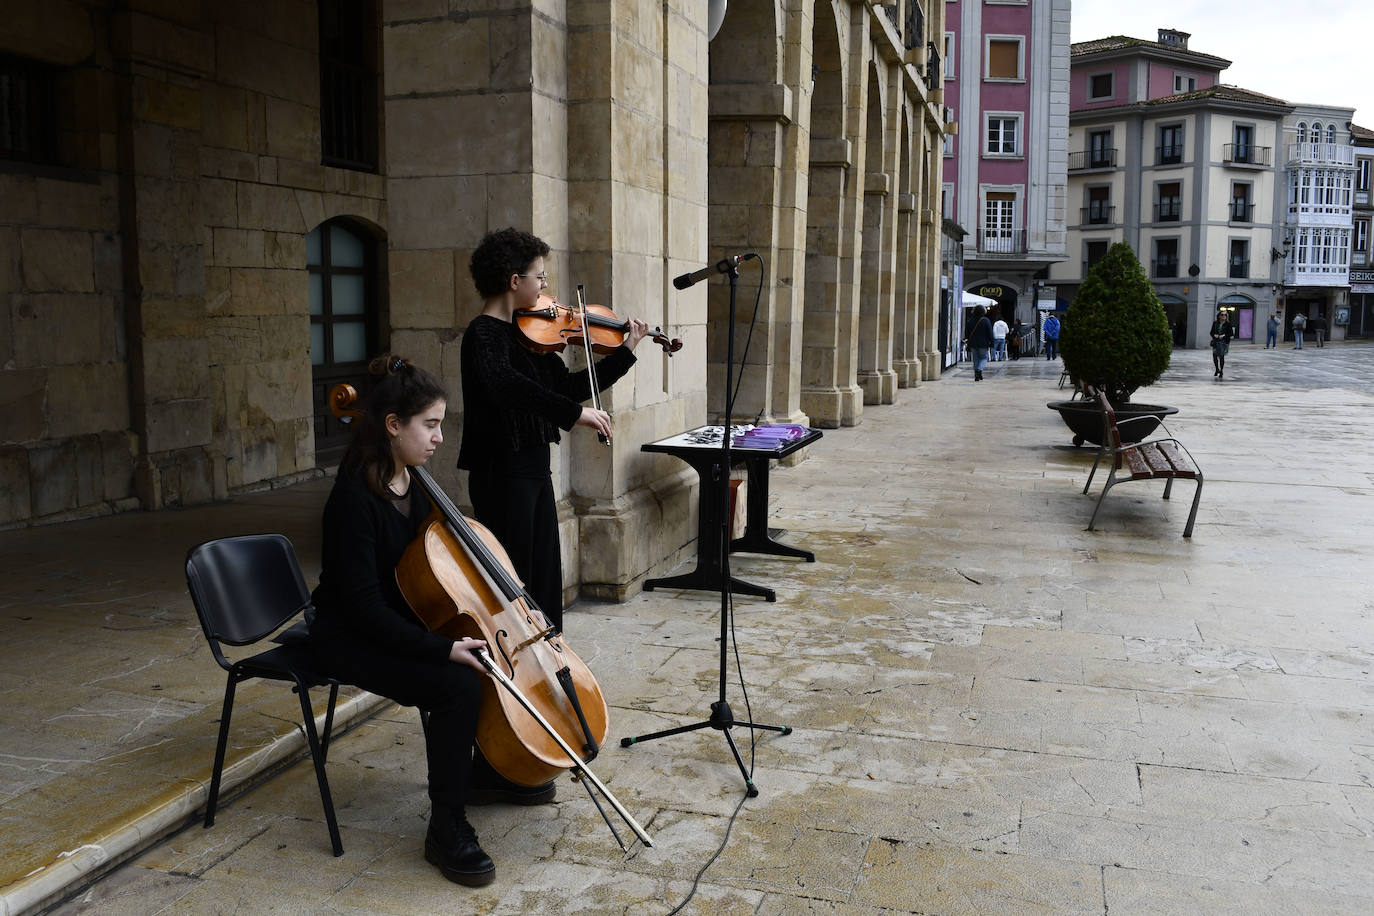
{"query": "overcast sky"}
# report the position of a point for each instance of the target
(1318, 51)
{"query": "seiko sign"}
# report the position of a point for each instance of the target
(1362, 276)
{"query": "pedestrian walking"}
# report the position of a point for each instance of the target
(1051, 337)
(1317, 325)
(980, 341)
(999, 340)
(1222, 332)
(1299, 325)
(1271, 332)
(1018, 340)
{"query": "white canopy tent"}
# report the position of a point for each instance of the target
(972, 299)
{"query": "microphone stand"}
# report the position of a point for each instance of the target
(722, 717)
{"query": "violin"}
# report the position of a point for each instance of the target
(551, 326)
(460, 582)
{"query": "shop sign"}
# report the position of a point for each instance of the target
(1362, 287)
(1362, 276)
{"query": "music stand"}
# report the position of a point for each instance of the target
(722, 717)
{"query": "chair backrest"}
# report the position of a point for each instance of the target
(1110, 433)
(244, 588)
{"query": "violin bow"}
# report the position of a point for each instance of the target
(591, 362)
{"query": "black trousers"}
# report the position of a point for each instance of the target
(451, 693)
(521, 512)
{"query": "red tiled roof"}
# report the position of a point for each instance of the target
(1121, 42)
(1222, 92)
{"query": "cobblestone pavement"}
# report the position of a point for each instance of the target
(995, 710)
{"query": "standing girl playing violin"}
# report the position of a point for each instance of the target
(364, 631)
(515, 401)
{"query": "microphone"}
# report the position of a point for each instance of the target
(723, 267)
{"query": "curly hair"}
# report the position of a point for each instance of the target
(500, 254)
(403, 389)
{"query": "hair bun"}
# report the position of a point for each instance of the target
(388, 364)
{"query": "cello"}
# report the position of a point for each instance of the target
(459, 581)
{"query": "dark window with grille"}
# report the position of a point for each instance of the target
(915, 25)
(28, 121)
(348, 84)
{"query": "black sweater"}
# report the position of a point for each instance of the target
(358, 599)
(514, 398)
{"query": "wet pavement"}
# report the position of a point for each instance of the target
(994, 710)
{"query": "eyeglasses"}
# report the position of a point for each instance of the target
(542, 278)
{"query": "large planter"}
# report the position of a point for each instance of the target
(1084, 420)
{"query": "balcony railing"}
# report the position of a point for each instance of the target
(1169, 155)
(1239, 268)
(1001, 241)
(1092, 159)
(1164, 267)
(933, 73)
(1242, 211)
(1168, 210)
(1247, 154)
(1361, 197)
(1097, 215)
(1321, 154)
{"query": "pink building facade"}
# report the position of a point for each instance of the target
(1007, 83)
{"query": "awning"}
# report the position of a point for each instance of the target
(972, 299)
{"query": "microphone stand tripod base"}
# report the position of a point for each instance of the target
(722, 719)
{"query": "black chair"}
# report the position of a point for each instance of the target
(245, 589)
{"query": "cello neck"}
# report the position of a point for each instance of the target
(460, 528)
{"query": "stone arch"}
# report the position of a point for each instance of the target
(828, 175)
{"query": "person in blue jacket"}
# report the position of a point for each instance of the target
(1051, 337)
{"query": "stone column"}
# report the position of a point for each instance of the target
(875, 375)
(159, 93)
(904, 326)
(821, 395)
(636, 148)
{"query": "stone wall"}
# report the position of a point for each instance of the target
(156, 292)
(65, 443)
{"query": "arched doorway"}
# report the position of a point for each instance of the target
(1241, 311)
(345, 291)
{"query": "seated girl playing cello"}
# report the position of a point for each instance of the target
(365, 632)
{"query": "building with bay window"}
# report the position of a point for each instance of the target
(1165, 157)
(1318, 225)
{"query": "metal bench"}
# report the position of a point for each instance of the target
(1156, 459)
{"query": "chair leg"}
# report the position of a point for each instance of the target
(317, 756)
(1168, 486)
(329, 722)
(213, 800)
(1192, 513)
(1098, 507)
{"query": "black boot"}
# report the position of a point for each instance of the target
(451, 846)
(488, 787)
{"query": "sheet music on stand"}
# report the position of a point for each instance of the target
(769, 438)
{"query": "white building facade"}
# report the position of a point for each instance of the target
(1319, 218)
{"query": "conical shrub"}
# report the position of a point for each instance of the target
(1116, 336)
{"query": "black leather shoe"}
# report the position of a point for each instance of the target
(488, 787)
(451, 846)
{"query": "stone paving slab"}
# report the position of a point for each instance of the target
(996, 711)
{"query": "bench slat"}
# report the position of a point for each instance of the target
(1182, 466)
(1158, 462)
(1139, 467)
